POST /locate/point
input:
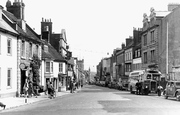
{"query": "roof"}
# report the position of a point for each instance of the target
(30, 33)
(52, 53)
(5, 26)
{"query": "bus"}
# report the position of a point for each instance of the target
(148, 79)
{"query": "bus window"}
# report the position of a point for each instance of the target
(148, 76)
(156, 77)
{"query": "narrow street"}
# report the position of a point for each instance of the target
(95, 100)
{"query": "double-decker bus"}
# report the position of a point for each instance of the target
(148, 79)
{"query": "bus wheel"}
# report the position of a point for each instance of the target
(178, 96)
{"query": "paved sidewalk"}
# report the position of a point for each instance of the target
(12, 102)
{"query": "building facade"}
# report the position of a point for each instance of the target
(8, 57)
(28, 43)
(150, 37)
(137, 61)
(128, 58)
(169, 50)
(120, 64)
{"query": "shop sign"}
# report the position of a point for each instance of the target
(22, 66)
(69, 73)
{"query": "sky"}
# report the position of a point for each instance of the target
(94, 28)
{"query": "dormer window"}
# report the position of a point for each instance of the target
(23, 24)
(45, 48)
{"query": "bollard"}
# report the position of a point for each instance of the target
(26, 97)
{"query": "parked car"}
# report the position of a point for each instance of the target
(172, 90)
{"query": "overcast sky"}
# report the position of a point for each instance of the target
(94, 28)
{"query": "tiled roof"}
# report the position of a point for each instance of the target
(52, 53)
(29, 32)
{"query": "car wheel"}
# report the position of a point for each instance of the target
(166, 97)
(178, 96)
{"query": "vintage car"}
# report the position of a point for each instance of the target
(172, 90)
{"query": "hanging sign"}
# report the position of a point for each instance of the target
(22, 66)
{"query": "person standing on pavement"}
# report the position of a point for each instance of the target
(71, 86)
(26, 87)
(49, 89)
(137, 87)
(159, 89)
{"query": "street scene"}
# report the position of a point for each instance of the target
(97, 100)
(89, 57)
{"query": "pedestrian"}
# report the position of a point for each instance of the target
(30, 89)
(26, 87)
(74, 86)
(71, 86)
(49, 89)
(46, 88)
(159, 89)
(137, 87)
(140, 88)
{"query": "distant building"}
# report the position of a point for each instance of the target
(137, 61)
(121, 64)
(128, 59)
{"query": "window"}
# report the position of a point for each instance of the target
(47, 66)
(51, 66)
(9, 46)
(152, 55)
(136, 54)
(37, 50)
(23, 48)
(9, 74)
(30, 50)
(145, 39)
(152, 36)
(128, 67)
(60, 67)
(145, 57)
(139, 53)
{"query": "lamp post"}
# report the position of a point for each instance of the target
(167, 76)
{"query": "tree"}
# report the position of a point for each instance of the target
(35, 65)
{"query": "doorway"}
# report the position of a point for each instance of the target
(23, 78)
